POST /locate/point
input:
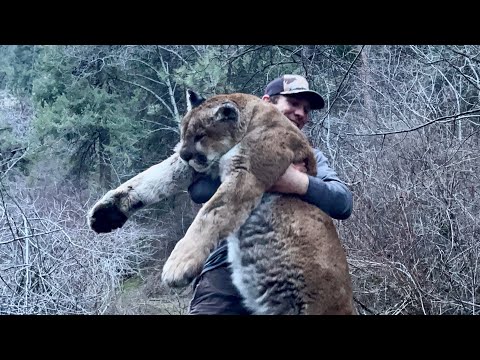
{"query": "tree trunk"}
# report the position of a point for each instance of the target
(105, 170)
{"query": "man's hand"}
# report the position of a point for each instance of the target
(293, 181)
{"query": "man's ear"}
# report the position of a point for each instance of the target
(193, 99)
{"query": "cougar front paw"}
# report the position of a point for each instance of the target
(106, 217)
(183, 265)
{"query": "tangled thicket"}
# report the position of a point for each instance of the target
(401, 127)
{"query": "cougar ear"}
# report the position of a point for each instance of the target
(193, 99)
(226, 112)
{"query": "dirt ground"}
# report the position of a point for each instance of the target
(148, 296)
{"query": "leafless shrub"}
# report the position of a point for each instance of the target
(405, 135)
(53, 264)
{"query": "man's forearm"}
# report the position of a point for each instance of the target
(332, 197)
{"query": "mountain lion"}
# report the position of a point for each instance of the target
(285, 254)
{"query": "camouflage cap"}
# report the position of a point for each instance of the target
(295, 84)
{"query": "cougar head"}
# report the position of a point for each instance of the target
(208, 130)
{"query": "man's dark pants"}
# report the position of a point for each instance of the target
(215, 294)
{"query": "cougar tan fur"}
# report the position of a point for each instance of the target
(285, 254)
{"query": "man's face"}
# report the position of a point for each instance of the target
(295, 109)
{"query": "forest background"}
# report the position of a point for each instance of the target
(401, 127)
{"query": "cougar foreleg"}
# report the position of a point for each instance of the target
(160, 181)
(239, 194)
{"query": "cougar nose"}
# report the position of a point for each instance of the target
(186, 155)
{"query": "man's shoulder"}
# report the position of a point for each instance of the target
(324, 169)
(319, 155)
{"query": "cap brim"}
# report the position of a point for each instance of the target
(315, 99)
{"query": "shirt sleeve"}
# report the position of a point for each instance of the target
(327, 191)
(202, 188)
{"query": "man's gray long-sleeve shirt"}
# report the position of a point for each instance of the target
(326, 191)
